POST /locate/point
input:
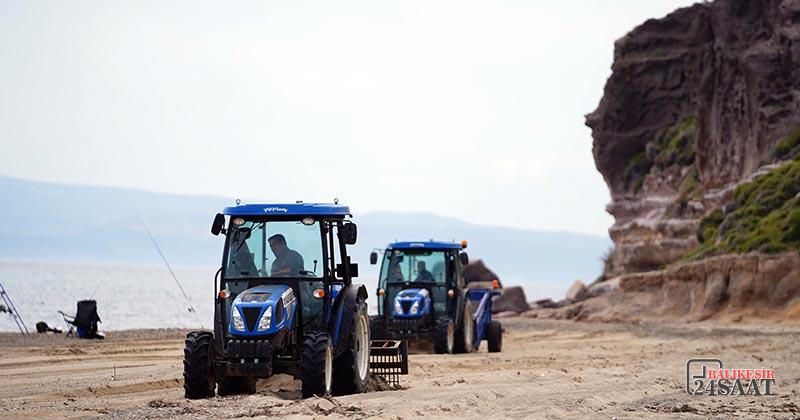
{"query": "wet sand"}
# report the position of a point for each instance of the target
(548, 369)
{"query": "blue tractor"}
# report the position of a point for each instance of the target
(422, 295)
(285, 302)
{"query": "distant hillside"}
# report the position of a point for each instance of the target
(63, 222)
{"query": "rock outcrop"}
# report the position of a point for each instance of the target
(728, 287)
(511, 299)
(696, 105)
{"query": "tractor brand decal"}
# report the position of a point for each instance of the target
(417, 245)
(708, 377)
(275, 210)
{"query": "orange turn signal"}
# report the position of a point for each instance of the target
(381, 292)
(496, 283)
(451, 293)
(463, 243)
(224, 294)
(319, 293)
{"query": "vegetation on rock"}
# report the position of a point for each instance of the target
(789, 147)
(672, 145)
(764, 217)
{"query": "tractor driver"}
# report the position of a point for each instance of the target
(288, 262)
(423, 275)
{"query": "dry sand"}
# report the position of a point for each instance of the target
(547, 369)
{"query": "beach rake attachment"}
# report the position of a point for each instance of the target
(389, 359)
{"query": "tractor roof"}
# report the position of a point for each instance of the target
(294, 209)
(424, 245)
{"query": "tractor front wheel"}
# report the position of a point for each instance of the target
(316, 370)
(351, 368)
(444, 335)
(494, 335)
(198, 368)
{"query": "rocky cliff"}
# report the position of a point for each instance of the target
(699, 102)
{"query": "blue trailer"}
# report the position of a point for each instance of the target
(422, 296)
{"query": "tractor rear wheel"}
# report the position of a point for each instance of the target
(351, 368)
(465, 336)
(444, 335)
(198, 368)
(232, 385)
(376, 327)
(316, 369)
(494, 335)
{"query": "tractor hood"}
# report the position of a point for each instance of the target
(262, 310)
(411, 303)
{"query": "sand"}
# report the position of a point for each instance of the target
(548, 369)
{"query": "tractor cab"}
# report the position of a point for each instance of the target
(415, 279)
(285, 302)
(421, 294)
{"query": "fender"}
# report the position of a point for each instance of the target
(341, 322)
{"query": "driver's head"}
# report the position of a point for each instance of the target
(420, 265)
(277, 243)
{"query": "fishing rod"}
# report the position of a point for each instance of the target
(8, 306)
(164, 258)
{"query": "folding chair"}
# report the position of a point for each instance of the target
(84, 323)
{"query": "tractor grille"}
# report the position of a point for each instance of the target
(249, 349)
(404, 324)
(251, 317)
(405, 305)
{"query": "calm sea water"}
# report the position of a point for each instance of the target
(127, 296)
(136, 296)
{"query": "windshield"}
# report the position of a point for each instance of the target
(274, 249)
(415, 266)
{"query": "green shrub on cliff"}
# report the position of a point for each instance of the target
(764, 216)
(673, 144)
(789, 146)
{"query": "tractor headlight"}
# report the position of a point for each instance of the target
(397, 308)
(266, 320)
(238, 323)
(414, 308)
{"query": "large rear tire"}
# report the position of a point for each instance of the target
(444, 335)
(351, 368)
(198, 365)
(465, 335)
(316, 370)
(232, 385)
(494, 337)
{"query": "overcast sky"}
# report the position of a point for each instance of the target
(467, 109)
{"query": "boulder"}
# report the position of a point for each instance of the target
(506, 314)
(546, 304)
(577, 292)
(512, 299)
(478, 272)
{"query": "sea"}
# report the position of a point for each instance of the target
(133, 296)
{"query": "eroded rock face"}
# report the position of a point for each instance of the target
(695, 104)
(727, 288)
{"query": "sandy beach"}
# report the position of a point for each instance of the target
(548, 369)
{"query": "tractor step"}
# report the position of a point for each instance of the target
(389, 359)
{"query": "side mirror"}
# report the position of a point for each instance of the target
(373, 258)
(353, 270)
(219, 223)
(464, 258)
(349, 233)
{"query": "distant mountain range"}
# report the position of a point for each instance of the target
(46, 221)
